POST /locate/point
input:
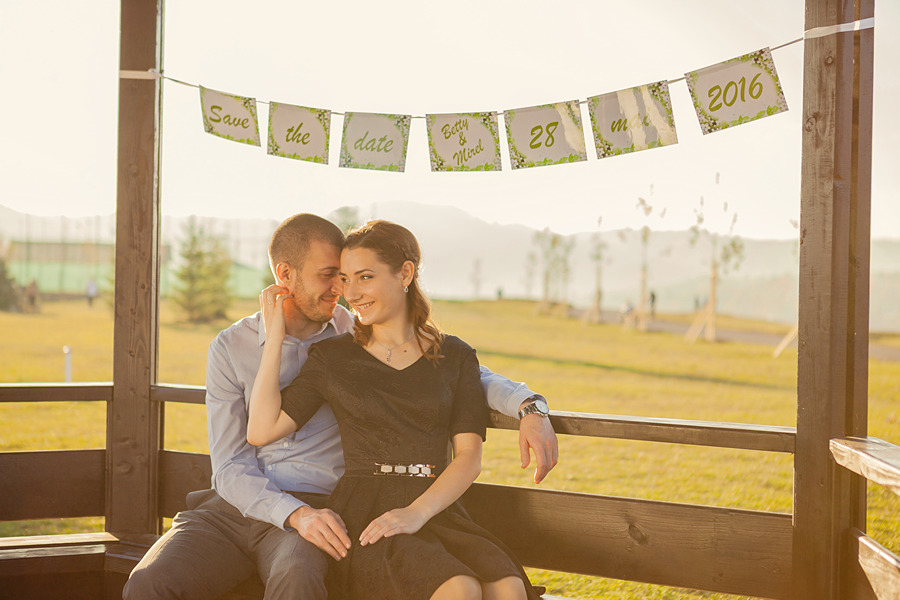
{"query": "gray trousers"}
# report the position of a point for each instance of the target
(211, 548)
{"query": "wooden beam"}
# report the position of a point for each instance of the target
(56, 541)
(55, 392)
(180, 473)
(876, 460)
(189, 394)
(52, 484)
(701, 547)
(832, 374)
(134, 424)
(43, 561)
(742, 436)
(880, 565)
(53, 567)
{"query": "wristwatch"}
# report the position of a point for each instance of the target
(535, 404)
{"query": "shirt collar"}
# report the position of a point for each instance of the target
(261, 330)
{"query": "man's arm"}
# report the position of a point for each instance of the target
(535, 431)
(236, 473)
(237, 477)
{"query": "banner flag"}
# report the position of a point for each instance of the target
(375, 141)
(736, 91)
(464, 142)
(230, 117)
(631, 120)
(298, 132)
(549, 134)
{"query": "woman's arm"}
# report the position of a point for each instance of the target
(447, 488)
(267, 422)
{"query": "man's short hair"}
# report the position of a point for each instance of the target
(292, 238)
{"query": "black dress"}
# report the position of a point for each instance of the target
(403, 416)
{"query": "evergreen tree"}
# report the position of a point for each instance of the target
(202, 293)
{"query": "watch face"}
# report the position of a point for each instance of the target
(541, 405)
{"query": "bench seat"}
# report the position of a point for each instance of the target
(86, 566)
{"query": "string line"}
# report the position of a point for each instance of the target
(810, 34)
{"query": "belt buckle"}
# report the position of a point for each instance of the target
(413, 470)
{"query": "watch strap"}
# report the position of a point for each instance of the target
(531, 407)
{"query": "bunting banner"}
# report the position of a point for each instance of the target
(549, 134)
(736, 91)
(230, 117)
(733, 92)
(298, 132)
(631, 120)
(375, 141)
(464, 142)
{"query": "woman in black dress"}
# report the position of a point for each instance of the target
(400, 389)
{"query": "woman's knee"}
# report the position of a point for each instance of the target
(459, 587)
(508, 588)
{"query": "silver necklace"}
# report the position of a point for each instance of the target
(390, 350)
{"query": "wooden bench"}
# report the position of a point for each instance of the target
(700, 547)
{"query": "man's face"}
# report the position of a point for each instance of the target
(316, 286)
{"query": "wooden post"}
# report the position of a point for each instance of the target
(134, 423)
(834, 295)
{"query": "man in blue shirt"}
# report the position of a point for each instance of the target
(265, 513)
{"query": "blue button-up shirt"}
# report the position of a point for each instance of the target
(255, 480)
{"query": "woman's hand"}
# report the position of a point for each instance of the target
(271, 304)
(399, 520)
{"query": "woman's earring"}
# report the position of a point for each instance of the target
(406, 289)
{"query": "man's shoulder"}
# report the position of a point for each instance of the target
(240, 332)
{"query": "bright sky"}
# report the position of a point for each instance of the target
(59, 66)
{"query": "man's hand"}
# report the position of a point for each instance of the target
(536, 433)
(322, 527)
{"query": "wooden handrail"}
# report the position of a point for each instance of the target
(186, 394)
(767, 438)
(872, 458)
(880, 565)
(741, 436)
(877, 461)
(56, 392)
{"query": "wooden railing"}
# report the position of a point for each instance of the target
(879, 462)
(702, 547)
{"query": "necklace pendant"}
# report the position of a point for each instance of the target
(388, 359)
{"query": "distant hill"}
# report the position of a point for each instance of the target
(457, 245)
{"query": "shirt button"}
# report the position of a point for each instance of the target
(285, 444)
(269, 468)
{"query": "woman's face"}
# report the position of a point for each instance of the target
(374, 292)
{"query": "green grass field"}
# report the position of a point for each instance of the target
(586, 368)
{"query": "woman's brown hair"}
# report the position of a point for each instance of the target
(394, 245)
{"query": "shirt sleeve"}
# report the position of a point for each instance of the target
(504, 395)
(469, 413)
(301, 398)
(237, 477)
